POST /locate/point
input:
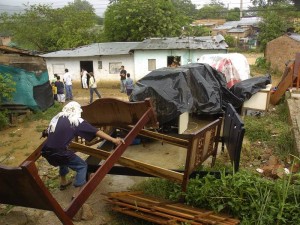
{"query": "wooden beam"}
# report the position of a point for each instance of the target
(131, 163)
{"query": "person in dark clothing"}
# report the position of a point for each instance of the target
(60, 90)
(123, 73)
(129, 85)
(61, 131)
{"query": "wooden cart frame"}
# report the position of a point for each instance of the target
(22, 185)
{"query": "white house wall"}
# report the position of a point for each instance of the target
(136, 64)
(187, 56)
(101, 74)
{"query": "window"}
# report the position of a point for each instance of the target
(58, 69)
(173, 61)
(151, 64)
(114, 67)
(99, 64)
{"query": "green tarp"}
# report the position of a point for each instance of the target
(32, 90)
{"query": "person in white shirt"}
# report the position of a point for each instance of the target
(84, 79)
(68, 84)
(93, 87)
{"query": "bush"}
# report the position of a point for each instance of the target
(249, 197)
(262, 63)
(3, 119)
(7, 87)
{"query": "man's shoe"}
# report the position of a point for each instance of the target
(64, 186)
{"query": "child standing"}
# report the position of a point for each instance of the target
(60, 90)
(129, 85)
(54, 90)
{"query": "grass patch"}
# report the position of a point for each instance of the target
(48, 114)
(272, 130)
(245, 195)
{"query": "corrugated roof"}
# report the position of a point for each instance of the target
(253, 21)
(237, 30)
(8, 49)
(96, 49)
(245, 21)
(182, 43)
(122, 48)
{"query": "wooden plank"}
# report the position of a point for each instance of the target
(297, 70)
(22, 186)
(285, 83)
(173, 212)
(91, 185)
(145, 214)
(180, 142)
(131, 163)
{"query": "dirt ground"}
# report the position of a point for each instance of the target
(18, 141)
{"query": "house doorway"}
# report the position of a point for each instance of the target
(174, 61)
(88, 66)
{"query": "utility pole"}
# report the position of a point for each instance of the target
(241, 9)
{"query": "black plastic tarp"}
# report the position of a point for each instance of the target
(194, 88)
(246, 88)
(43, 95)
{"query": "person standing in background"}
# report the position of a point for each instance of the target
(61, 98)
(123, 73)
(68, 84)
(93, 87)
(129, 85)
(84, 79)
(54, 90)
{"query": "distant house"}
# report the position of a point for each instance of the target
(23, 59)
(103, 59)
(156, 53)
(139, 58)
(5, 39)
(282, 49)
(210, 23)
(247, 26)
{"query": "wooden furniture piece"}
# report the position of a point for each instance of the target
(199, 145)
(259, 101)
(14, 110)
(22, 185)
(290, 78)
(233, 135)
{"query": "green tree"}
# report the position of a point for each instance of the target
(45, 29)
(233, 14)
(186, 7)
(196, 31)
(77, 20)
(134, 20)
(230, 40)
(213, 10)
(276, 20)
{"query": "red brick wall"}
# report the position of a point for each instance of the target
(280, 50)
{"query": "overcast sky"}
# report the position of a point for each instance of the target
(100, 5)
